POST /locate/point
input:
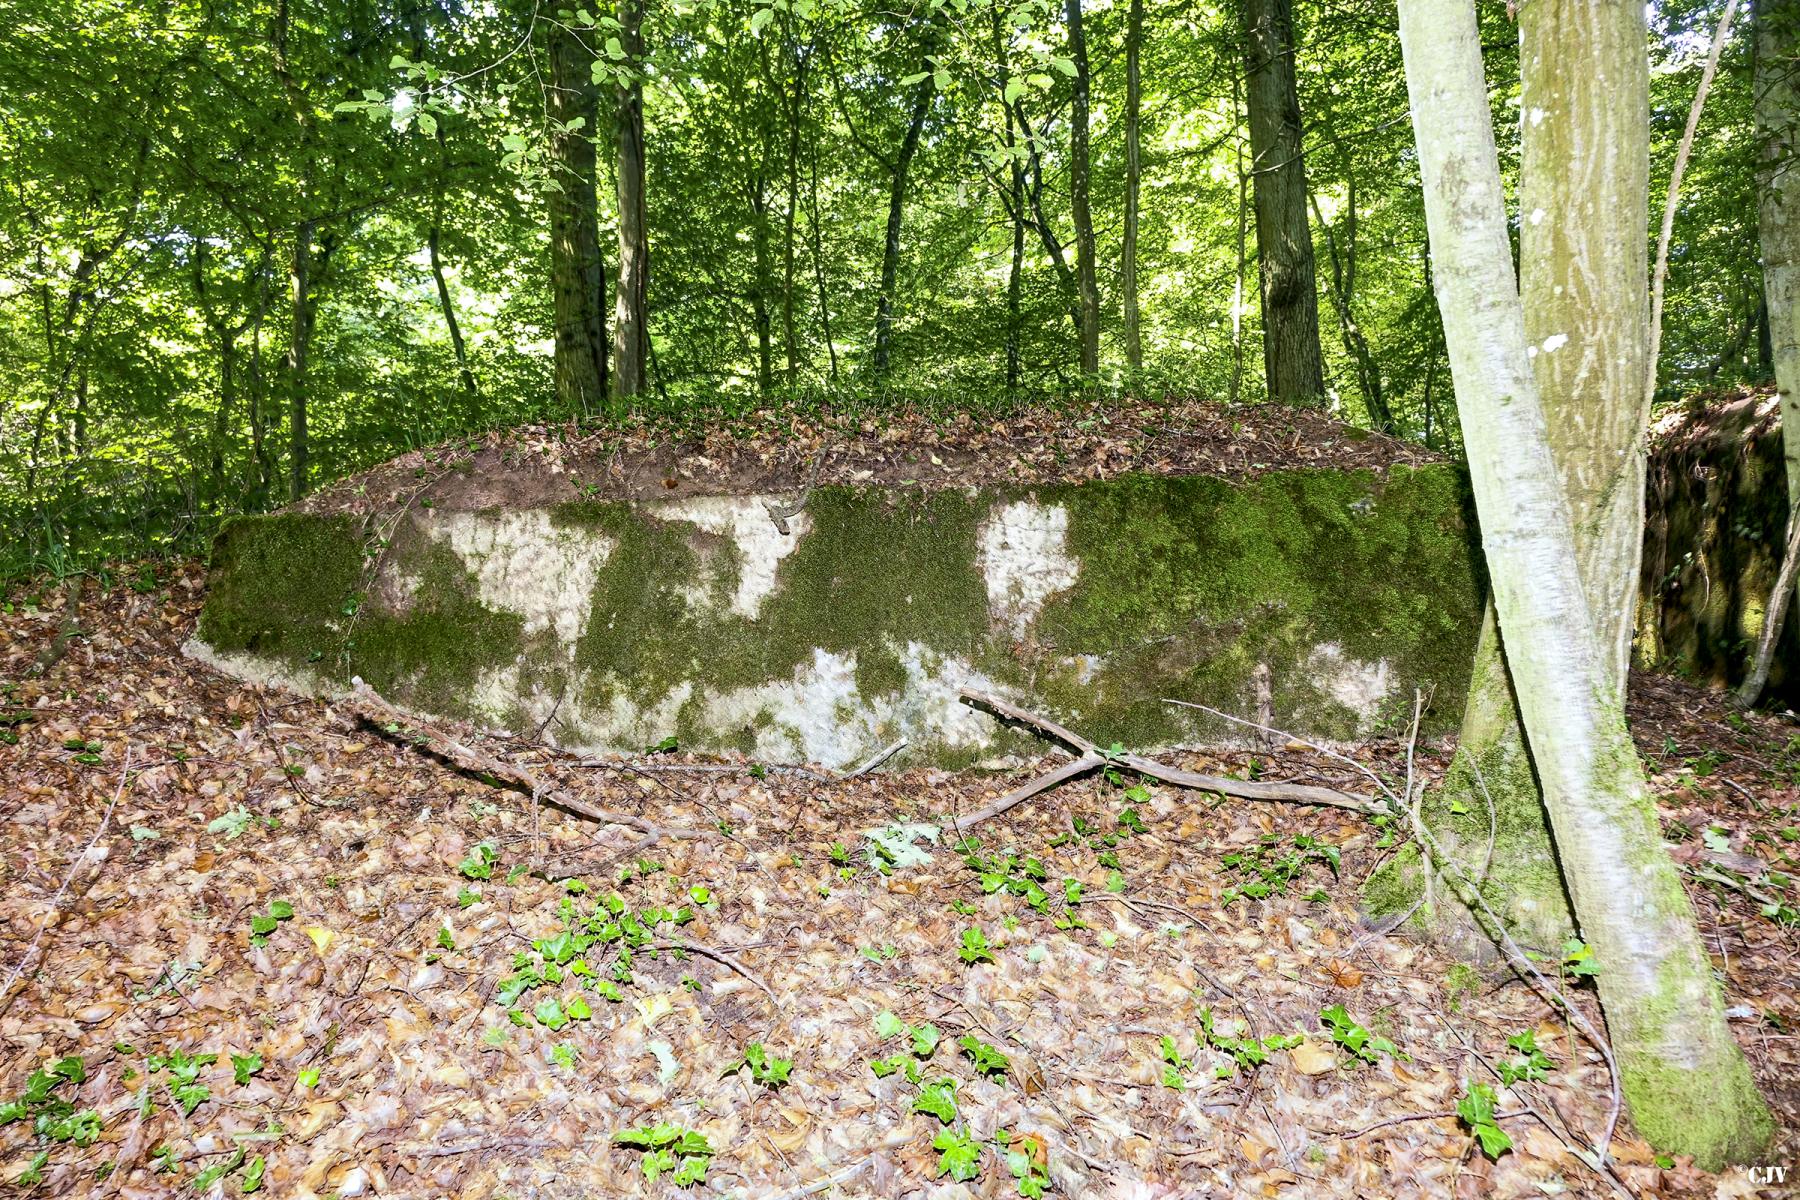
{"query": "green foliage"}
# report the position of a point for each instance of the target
(671, 1150)
(1362, 1045)
(987, 1059)
(960, 1156)
(1578, 959)
(1529, 1063)
(147, 381)
(263, 924)
(184, 1070)
(243, 1066)
(1268, 871)
(975, 947)
(772, 1073)
(937, 1099)
(1476, 1108)
(480, 862)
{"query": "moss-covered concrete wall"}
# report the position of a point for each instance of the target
(1717, 525)
(1321, 598)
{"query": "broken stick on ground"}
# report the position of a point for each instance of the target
(367, 703)
(1092, 758)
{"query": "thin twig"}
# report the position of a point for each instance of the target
(74, 866)
(722, 957)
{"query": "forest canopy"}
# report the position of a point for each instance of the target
(249, 248)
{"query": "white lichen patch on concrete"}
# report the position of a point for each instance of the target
(254, 668)
(745, 520)
(816, 715)
(1357, 685)
(524, 563)
(1022, 550)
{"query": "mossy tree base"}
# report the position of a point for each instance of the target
(1488, 821)
(610, 625)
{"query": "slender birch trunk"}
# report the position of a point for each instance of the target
(1685, 1080)
(1584, 193)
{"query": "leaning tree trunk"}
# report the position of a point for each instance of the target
(1585, 192)
(1778, 229)
(1086, 282)
(1687, 1084)
(1292, 362)
(577, 274)
(631, 324)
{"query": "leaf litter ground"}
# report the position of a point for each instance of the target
(397, 1007)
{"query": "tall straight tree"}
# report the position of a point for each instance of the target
(1086, 282)
(1584, 189)
(1292, 362)
(577, 273)
(1778, 230)
(631, 319)
(900, 170)
(1134, 103)
(1685, 1080)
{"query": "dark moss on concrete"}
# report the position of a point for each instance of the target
(1188, 583)
(283, 587)
(433, 652)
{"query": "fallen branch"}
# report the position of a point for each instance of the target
(656, 768)
(367, 703)
(874, 760)
(70, 629)
(721, 956)
(1092, 757)
(74, 867)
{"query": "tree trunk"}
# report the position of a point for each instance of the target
(759, 294)
(1585, 77)
(796, 106)
(1128, 279)
(470, 394)
(1757, 678)
(577, 272)
(294, 365)
(890, 247)
(631, 327)
(1243, 234)
(1778, 229)
(258, 414)
(1015, 205)
(1688, 1086)
(1343, 289)
(1292, 361)
(818, 258)
(1086, 283)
